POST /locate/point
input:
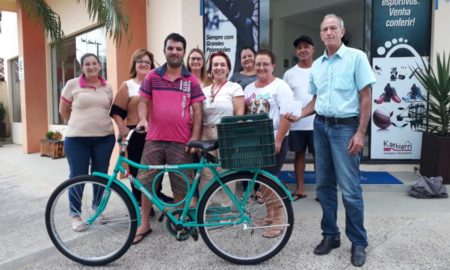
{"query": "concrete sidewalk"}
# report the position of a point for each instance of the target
(404, 233)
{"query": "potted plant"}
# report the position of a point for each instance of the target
(52, 145)
(2, 121)
(435, 155)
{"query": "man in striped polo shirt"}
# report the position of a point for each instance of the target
(167, 95)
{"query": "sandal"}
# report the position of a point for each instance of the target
(272, 232)
(141, 236)
(262, 222)
(102, 220)
(258, 197)
(298, 196)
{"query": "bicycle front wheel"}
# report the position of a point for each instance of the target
(104, 240)
(252, 235)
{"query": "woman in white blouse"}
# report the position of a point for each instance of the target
(223, 98)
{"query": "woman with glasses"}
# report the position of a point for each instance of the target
(223, 98)
(196, 65)
(268, 94)
(124, 109)
(248, 73)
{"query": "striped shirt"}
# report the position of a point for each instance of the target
(169, 118)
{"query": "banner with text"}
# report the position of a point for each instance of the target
(229, 26)
(400, 40)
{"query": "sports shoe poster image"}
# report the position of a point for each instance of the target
(400, 40)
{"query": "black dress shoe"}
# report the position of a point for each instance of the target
(358, 255)
(327, 244)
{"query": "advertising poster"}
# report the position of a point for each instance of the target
(400, 41)
(229, 26)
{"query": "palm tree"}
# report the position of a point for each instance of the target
(108, 13)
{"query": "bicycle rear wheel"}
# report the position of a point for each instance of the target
(257, 235)
(101, 242)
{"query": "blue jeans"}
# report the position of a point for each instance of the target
(80, 152)
(336, 167)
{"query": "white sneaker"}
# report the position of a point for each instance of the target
(78, 225)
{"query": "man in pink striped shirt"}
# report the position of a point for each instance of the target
(168, 94)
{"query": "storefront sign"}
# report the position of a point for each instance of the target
(400, 40)
(229, 26)
(21, 69)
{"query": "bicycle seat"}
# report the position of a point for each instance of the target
(204, 145)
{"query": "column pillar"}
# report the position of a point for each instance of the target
(34, 86)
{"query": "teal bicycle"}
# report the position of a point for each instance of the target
(234, 228)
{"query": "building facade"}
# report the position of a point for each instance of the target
(35, 73)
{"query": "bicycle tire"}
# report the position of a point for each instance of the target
(234, 242)
(101, 243)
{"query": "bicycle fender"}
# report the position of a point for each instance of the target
(259, 171)
(127, 191)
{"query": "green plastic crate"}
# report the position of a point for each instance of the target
(246, 141)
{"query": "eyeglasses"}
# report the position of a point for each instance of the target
(263, 64)
(193, 59)
(142, 62)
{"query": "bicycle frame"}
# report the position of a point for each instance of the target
(191, 188)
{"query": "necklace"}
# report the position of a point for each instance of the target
(214, 93)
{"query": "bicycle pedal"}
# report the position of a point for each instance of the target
(181, 236)
(178, 237)
(195, 235)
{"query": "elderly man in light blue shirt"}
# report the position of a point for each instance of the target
(340, 83)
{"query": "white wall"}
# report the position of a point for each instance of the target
(9, 41)
(285, 8)
(9, 48)
(74, 16)
(440, 38)
(169, 16)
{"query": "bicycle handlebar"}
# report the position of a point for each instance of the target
(124, 144)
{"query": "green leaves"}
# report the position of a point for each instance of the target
(108, 13)
(51, 21)
(437, 83)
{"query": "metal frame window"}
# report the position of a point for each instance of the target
(15, 91)
(66, 65)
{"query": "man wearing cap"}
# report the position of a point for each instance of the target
(341, 84)
(301, 132)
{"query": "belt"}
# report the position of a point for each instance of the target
(338, 121)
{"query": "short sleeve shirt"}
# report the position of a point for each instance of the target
(243, 80)
(222, 105)
(169, 119)
(337, 81)
(268, 99)
(89, 116)
(298, 80)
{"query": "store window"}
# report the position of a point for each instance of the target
(66, 65)
(287, 22)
